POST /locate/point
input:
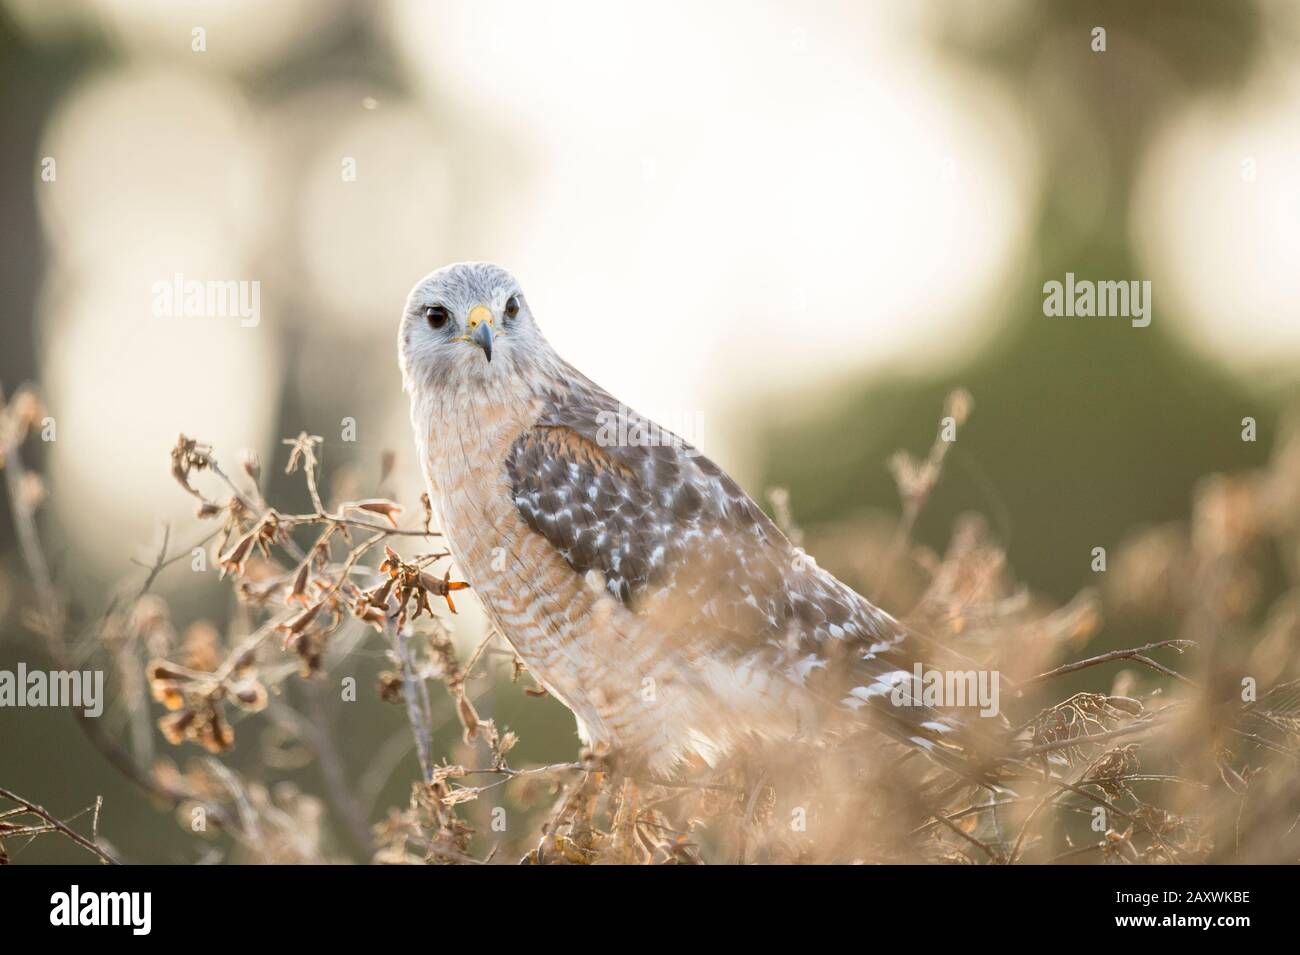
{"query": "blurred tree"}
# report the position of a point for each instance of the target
(1082, 428)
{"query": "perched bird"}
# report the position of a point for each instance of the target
(635, 579)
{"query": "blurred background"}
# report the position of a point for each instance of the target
(784, 232)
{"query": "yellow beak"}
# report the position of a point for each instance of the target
(480, 329)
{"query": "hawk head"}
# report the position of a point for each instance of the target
(468, 322)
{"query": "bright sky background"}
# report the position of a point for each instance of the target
(1218, 219)
(703, 201)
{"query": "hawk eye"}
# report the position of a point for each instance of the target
(436, 315)
(512, 306)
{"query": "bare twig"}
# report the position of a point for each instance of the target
(416, 714)
(1136, 654)
(54, 825)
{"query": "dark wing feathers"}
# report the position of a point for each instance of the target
(647, 519)
(661, 518)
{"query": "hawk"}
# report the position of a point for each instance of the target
(639, 584)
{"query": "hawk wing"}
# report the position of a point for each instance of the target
(617, 495)
(671, 536)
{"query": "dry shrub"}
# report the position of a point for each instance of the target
(1188, 755)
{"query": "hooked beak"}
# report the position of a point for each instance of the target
(480, 329)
